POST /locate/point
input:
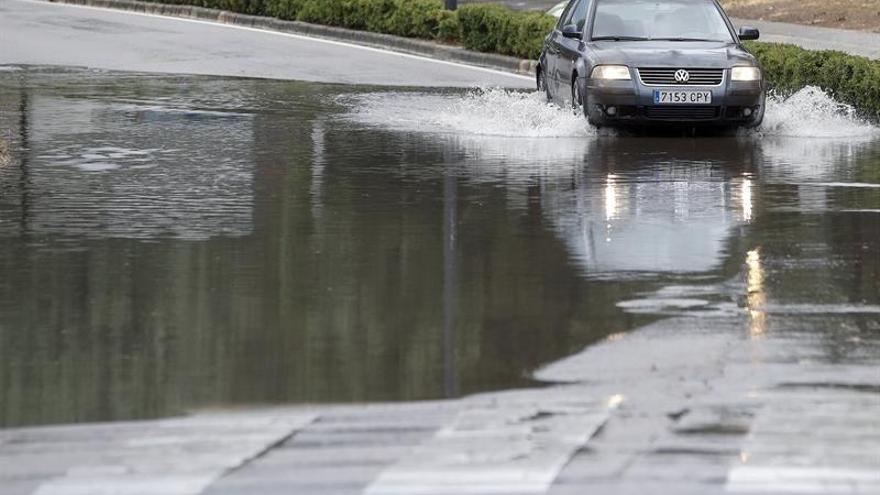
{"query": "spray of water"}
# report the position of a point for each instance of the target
(808, 113)
(811, 112)
(482, 112)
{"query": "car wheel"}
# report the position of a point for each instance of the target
(580, 103)
(542, 86)
(577, 101)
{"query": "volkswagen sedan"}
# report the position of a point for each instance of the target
(644, 62)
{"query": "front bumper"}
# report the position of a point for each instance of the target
(632, 103)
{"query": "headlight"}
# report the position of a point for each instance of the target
(616, 72)
(745, 74)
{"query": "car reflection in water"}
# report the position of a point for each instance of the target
(648, 214)
(668, 207)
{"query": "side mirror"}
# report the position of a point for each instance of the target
(749, 33)
(571, 31)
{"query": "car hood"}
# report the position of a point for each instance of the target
(672, 54)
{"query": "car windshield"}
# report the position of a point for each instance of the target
(675, 20)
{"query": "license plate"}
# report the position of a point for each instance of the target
(668, 97)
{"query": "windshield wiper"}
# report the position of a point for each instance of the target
(620, 38)
(683, 39)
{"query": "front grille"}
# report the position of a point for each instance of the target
(666, 77)
(681, 112)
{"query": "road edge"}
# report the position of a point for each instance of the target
(400, 44)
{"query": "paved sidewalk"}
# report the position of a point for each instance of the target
(689, 405)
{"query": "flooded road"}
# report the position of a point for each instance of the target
(170, 243)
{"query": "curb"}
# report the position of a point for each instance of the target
(375, 40)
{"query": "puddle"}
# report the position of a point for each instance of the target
(226, 242)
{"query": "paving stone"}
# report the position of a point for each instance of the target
(508, 448)
(174, 456)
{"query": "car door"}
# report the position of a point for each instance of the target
(570, 48)
(551, 59)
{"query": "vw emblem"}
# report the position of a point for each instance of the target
(682, 76)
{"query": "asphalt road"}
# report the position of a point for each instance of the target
(35, 33)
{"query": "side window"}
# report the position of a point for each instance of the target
(568, 17)
(579, 14)
(561, 22)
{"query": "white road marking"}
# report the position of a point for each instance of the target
(782, 479)
(168, 457)
(864, 185)
(495, 449)
(813, 440)
(296, 36)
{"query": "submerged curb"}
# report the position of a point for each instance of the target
(366, 38)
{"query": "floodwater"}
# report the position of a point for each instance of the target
(170, 243)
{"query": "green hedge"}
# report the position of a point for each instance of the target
(849, 79)
(254, 7)
(495, 28)
(412, 18)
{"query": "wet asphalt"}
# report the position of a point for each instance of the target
(41, 33)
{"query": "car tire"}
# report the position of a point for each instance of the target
(581, 103)
(542, 86)
(577, 100)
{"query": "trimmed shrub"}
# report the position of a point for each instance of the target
(495, 28)
(418, 18)
(373, 14)
(449, 28)
(849, 79)
(284, 9)
(330, 13)
(411, 18)
(482, 26)
(254, 7)
(531, 29)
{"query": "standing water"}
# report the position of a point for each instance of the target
(172, 243)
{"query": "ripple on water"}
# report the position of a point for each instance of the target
(99, 159)
(104, 169)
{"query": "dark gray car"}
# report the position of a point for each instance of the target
(643, 62)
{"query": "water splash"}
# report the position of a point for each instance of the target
(482, 112)
(809, 112)
(813, 113)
